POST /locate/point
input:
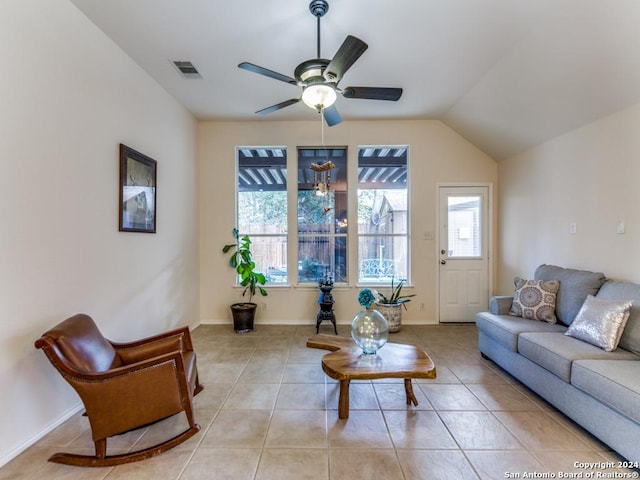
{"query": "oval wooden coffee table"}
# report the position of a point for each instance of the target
(346, 362)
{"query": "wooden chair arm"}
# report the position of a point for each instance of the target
(131, 352)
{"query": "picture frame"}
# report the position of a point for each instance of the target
(138, 176)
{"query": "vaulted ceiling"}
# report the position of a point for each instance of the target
(506, 74)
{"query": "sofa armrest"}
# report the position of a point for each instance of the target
(501, 304)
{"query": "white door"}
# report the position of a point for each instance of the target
(463, 252)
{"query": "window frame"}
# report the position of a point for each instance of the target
(360, 281)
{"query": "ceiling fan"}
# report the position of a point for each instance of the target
(319, 77)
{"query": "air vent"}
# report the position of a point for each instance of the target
(186, 69)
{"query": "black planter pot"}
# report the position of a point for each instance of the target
(243, 316)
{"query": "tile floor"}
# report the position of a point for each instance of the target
(269, 412)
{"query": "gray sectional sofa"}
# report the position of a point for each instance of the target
(598, 389)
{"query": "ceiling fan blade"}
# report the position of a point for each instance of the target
(278, 106)
(267, 73)
(347, 54)
(331, 115)
(373, 93)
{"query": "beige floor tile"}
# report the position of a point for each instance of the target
(348, 464)
(268, 411)
(570, 462)
(303, 373)
(265, 372)
(538, 431)
(503, 397)
(492, 465)
(223, 373)
(167, 466)
(301, 396)
(298, 464)
(68, 431)
(56, 471)
(363, 429)
(443, 375)
(297, 429)
(361, 396)
(238, 429)
(27, 463)
(469, 374)
(451, 397)
(213, 396)
(393, 397)
(222, 464)
(418, 430)
(252, 396)
(435, 465)
(479, 431)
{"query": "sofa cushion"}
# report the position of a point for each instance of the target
(556, 352)
(535, 299)
(506, 328)
(615, 383)
(600, 322)
(614, 290)
(575, 285)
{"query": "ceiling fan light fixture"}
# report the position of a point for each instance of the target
(319, 96)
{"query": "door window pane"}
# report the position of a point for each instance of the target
(464, 239)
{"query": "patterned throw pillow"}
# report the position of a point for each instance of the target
(600, 322)
(535, 299)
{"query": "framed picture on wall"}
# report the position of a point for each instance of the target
(137, 191)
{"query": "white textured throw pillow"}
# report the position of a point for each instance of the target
(535, 299)
(600, 322)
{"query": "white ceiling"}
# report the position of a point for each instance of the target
(505, 74)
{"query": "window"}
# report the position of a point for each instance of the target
(322, 217)
(262, 207)
(383, 216)
(463, 220)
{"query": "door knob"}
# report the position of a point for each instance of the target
(443, 262)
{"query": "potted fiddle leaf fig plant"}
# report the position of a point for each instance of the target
(391, 306)
(241, 260)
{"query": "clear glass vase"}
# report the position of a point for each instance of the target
(369, 330)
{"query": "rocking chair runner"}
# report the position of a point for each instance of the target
(124, 386)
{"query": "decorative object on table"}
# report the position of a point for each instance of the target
(369, 329)
(326, 302)
(391, 307)
(137, 191)
(241, 261)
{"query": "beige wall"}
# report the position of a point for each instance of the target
(437, 155)
(69, 96)
(590, 177)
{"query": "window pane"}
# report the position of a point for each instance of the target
(381, 258)
(322, 214)
(383, 219)
(464, 226)
(262, 207)
(270, 255)
(320, 256)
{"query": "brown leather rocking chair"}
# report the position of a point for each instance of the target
(124, 386)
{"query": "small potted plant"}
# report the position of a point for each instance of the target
(241, 260)
(391, 307)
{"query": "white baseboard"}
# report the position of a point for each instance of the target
(26, 444)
